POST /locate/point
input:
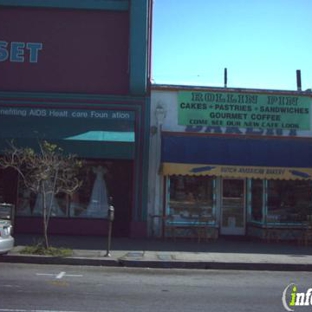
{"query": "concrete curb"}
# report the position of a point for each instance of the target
(202, 265)
(141, 263)
(33, 259)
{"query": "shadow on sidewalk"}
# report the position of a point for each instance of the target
(221, 245)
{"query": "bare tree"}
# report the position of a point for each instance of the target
(47, 173)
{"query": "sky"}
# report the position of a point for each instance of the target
(261, 43)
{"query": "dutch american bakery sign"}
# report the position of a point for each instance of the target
(243, 110)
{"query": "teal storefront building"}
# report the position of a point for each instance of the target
(76, 73)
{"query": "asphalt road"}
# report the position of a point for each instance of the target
(25, 287)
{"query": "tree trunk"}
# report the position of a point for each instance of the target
(45, 219)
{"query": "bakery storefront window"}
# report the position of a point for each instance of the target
(191, 197)
(288, 201)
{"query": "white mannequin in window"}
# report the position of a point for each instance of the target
(98, 205)
(51, 202)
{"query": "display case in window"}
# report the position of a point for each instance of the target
(191, 198)
(288, 201)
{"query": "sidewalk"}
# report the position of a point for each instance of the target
(224, 253)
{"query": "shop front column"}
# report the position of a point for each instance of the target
(160, 114)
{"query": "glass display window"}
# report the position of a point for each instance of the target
(91, 200)
(288, 201)
(8, 185)
(191, 197)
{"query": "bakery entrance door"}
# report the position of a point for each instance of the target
(233, 207)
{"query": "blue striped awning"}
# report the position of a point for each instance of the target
(284, 158)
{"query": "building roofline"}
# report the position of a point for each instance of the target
(172, 87)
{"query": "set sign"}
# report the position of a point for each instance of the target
(20, 51)
(224, 109)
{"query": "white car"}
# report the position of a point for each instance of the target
(6, 240)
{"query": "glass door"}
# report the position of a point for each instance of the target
(233, 207)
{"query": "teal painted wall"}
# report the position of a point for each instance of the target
(139, 48)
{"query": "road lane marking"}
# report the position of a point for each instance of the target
(59, 275)
(44, 274)
(9, 286)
